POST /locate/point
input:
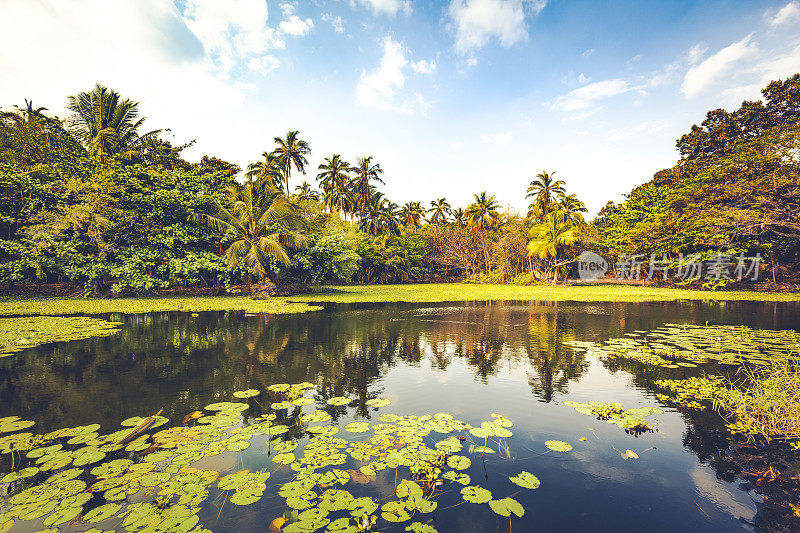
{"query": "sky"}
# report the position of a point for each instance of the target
(450, 97)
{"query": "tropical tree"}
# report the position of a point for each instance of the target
(549, 236)
(365, 172)
(291, 151)
(305, 192)
(262, 227)
(24, 114)
(572, 208)
(334, 179)
(377, 217)
(483, 212)
(267, 172)
(459, 218)
(107, 124)
(411, 215)
(438, 211)
(544, 190)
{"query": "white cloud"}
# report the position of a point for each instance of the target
(231, 29)
(336, 21)
(788, 14)
(584, 97)
(288, 8)
(296, 26)
(696, 53)
(583, 78)
(712, 70)
(497, 138)
(389, 7)
(476, 22)
(423, 67)
(646, 128)
(264, 64)
(378, 88)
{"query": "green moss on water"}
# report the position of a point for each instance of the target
(419, 293)
(26, 332)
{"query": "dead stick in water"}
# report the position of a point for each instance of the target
(143, 426)
(698, 506)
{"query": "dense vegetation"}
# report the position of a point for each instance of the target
(96, 201)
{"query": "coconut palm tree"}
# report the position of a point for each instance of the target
(262, 227)
(377, 218)
(572, 208)
(107, 124)
(411, 215)
(438, 211)
(365, 172)
(459, 218)
(306, 193)
(544, 189)
(549, 236)
(483, 212)
(24, 114)
(334, 179)
(267, 172)
(291, 151)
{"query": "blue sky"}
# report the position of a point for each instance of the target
(450, 97)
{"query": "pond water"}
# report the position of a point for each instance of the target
(465, 359)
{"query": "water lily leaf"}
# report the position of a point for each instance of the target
(278, 406)
(315, 417)
(458, 462)
(302, 401)
(338, 400)
(475, 494)
(357, 427)
(247, 494)
(63, 515)
(526, 480)
(481, 432)
(558, 445)
(419, 527)
(395, 512)
(103, 512)
(408, 488)
(284, 458)
(363, 506)
(481, 449)
(20, 474)
(335, 500)
(378, 402)
(342, 525)
(506, 506)
(87, 455)
(629, 454)
(249, 393)
(456, 477)
(279, 387)
(227, 406)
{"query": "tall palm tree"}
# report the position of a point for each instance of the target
(24, 114)
(459, 218)
(411, 215)
(291, 151)
(438, 211)
(483, 212)
(377, 217)
(365, 172)
(305, 192)
(106, 123)
(544, 189)
(262, 227)
(267, 172)
(572, 208)
(334, 179)
(549, 236)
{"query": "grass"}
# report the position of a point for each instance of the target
(768, 403)
(434, 292)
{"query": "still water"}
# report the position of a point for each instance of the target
(466, 359)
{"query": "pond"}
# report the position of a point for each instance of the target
(446, 367)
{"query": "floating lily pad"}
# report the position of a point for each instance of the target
(506, 507)
(526, 480)
(475, 494)
(338, 400)
(357, 427)
(558, 445)
(249, 393)
(458, 462)
(378, 402)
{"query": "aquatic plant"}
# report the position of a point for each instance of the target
(19, 333)
(631, 420)
(142, 477)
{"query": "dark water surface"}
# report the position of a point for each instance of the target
(469, 359)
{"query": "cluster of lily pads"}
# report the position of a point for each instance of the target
(686, 345)
(19, 333)
(143, 477)
(695, 392)
(632, 420)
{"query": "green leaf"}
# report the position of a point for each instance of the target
(475, 494)
(506, 506)
(558, 445)
(526, 480)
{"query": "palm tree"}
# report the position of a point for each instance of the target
(334, 179)
(377, 217)
(291, 151)
(572, 209)
(267, 173)
(24, 115)
(106, 123)
(439, 210)
(262, 227)
(305, 192)
(549, 236)
(365, 173)
(544, 190)
(459, 218)
(483, 212)
(411, 215)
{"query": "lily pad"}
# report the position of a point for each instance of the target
(526, 480)
(249, 393)
(338, 400)
(558, 445)
(475, 494)
(506, 507)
